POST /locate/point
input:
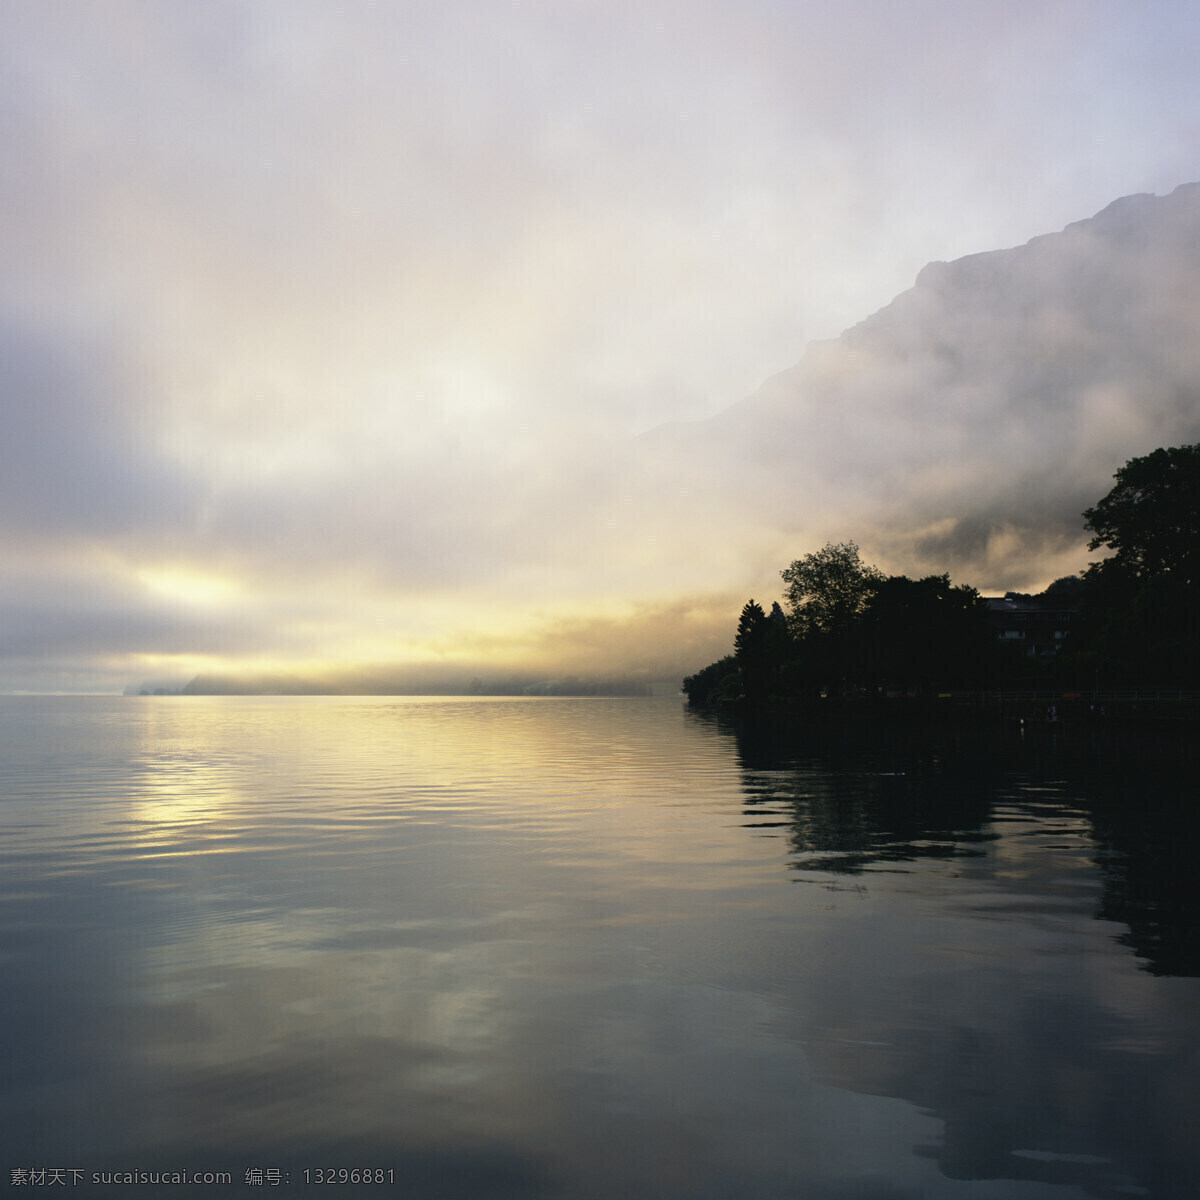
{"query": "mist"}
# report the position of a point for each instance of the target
(360, 343)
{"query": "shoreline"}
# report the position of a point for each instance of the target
(1092, 710)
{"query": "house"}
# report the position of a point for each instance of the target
(1038, 625)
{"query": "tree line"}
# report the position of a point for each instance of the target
(849, 629)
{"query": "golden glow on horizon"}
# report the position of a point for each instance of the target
(398, 644)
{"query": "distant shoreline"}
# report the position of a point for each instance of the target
(566, 687)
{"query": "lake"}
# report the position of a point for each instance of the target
(592, 948)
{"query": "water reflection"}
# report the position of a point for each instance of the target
(978, 967)
(853, 796)
(578, 949)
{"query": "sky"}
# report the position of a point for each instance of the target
(326, 328)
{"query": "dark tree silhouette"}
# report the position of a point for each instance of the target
(852, 631)
(1140, 622)
(829, 589)
(716, 682)
(922, 635)
(1151, 518)
(752, 652)
(827, 593)
(748, 641)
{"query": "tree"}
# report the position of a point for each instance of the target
(778, 636)
(751, 651)
(924, 634)
(1066, 587)
(827, 593)
(1151, 518)
(747, 642)
(829, 589)
(716, 682)
(1140, 622)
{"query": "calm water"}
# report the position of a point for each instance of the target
(592, 948)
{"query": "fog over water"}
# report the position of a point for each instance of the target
(333, 337)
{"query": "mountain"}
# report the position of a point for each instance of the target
(967, 425)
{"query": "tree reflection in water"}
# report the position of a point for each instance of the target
(855, 794)
(975, 967)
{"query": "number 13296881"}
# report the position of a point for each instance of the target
(349, 1175)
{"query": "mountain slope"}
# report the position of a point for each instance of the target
(966, 426)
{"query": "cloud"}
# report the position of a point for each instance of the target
(358, 309)
(74, 460)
